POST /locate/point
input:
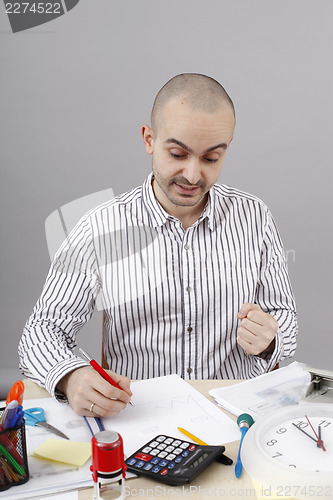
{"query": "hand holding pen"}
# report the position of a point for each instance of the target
(89, 394)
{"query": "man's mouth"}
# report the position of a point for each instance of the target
(186, 189)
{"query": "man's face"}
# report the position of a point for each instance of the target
(188, 153)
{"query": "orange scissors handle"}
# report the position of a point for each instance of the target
(16, 393)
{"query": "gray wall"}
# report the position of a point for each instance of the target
(75, 92)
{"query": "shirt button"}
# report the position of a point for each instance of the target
(188, 289)
(189, 329)
(189, 370)
(186, 247)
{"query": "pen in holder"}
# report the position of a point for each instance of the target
(13, 456)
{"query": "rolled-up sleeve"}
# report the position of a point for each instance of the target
(67, 302)
(274, 295)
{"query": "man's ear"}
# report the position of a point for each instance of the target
(148, 138)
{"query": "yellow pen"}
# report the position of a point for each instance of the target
(223, 459)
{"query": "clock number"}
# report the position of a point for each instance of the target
(301, 424)
(324, 422)
(281, 431)
(278, 454)
(271, 442)
(292, 465)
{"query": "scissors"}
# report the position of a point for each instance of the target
(36, 416)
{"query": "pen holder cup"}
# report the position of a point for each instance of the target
(13, 456)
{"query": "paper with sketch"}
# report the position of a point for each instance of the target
(161, 405)
(266, 393)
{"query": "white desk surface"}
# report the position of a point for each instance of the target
(217, 480)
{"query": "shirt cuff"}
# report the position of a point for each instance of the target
(273, 358)
(58, 372)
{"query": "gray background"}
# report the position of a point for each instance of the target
(75, 92)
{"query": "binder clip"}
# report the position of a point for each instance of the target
(108, 465)
(320, 389)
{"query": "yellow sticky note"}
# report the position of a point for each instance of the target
(67, 452)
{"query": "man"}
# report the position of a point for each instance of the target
(201, 289)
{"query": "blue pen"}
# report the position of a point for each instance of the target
(9, 414)
(244, 422)
(17, 419)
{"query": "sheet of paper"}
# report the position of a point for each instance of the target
(66, 452)
(69, 495)
(161, 405)
(266, 393)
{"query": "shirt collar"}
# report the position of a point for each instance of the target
(159, 216)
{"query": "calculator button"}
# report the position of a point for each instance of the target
(147, 466)
(154, 461)
(176, 442)
(168, 441)
(177, 451)
(171, 465)
(161, 446)
(143, 456)
(162, 454)
(146, 449)
(139, 464)
(156, 469)
(169, 449)
(178, 459)
(164, 472)
(185, 453)
(171, 456)
(153, 444)
(184, 445)
(160, 439)
(131, 461)
(154, 452)
(192, 447)
(163, 463)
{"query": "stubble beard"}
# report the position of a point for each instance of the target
(181, 200)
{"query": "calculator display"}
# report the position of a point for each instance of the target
(171, 460)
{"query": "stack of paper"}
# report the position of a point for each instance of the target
(266, 393)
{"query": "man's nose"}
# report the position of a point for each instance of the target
(192, 172)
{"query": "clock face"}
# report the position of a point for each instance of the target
(292, 447)
(295, 443)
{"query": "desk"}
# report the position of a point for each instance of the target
(218, 481)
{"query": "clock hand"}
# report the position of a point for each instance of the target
(300, 429)
(319, 441)
(319, 434)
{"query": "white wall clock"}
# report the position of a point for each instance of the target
(290, 453)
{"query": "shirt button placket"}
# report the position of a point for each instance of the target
(188, 274)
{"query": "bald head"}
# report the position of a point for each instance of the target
(200, 92)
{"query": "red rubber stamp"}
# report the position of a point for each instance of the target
(108, 465)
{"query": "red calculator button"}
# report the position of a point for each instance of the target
(143, 456)
(164, 472)
(192, 447)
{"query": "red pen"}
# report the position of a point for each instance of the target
(100, 370)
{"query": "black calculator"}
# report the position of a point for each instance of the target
(171, 460)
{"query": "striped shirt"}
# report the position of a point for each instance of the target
(170, 296)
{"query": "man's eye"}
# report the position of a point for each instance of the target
(175, 155)
(210, 160)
